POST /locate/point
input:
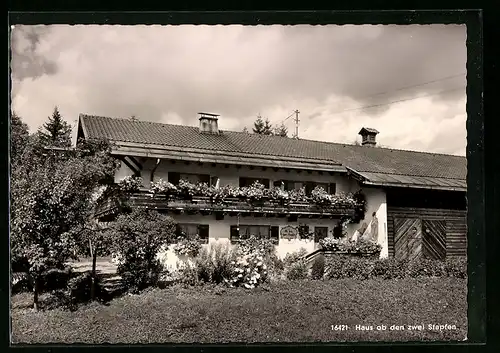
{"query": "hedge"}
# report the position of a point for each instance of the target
(341, 266)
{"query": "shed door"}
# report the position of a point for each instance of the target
(434, 239)
(407, 238)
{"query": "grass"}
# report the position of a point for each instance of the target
(301, 311)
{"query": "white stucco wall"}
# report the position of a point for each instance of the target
(375, 202)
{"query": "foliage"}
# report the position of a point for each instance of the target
(360, 247)
(281, 130)
(296, 271)
(139, 236)
(456, 267)
(79, 289)
(163, 187)
(130, 183)
(344, 266)
(249, 271)
(254, 192)
(188, 246)
(293, 257)
(52, 198)
(55, 132)
(262, 127)
(214, 264)
(318, 267)
(19, 135)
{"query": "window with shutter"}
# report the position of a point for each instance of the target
(234, 235)
(320, 233)
(275, 234)
(332, 189)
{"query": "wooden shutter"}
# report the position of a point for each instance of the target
(203, 232)
(234, 234)
(332, 189)
(174, 178)
(275, 233)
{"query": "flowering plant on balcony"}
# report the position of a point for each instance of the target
(188, 246)
(254, 192)
(277, 194)
(334, 244)
(298, 195)
(130, 183)
(187, 189)
(320, 197)
(163, 187)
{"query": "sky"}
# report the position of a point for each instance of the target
(408, 82)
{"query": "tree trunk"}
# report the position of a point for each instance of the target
(36, 287)
(93, 275)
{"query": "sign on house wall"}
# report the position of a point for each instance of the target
(289, 233)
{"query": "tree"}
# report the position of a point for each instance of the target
(281, 130)
(245, 129)
(19, 136)
(55, 132)
(262, 127)
(51, 194)
(139, 235)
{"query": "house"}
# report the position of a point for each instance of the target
(415, 201)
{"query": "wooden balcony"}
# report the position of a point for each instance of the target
(230, 206)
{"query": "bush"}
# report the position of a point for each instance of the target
(426, 268)
(291, 258)
(340, 266)
(296, 271)
(318, 267)
(79, 289)
(456, 267)
(188, 246)
(139, 236)
(390, 268)
(55, 279)
(214, 264)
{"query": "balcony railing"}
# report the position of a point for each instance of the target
(204, 205)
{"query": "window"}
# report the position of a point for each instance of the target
(174, 178)
(190, 230)
(329, 188)
(320, 233)
(258, 231)
(249, 181)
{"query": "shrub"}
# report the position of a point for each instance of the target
(296, 271)
(456, 267)
(214, 264)
(291, 258)
(55, 279)
(20, 282)
(426, 268)
(188, 246)
(79, 289)
(342, 266)
(390, 268)
(139, 236)
(318, 267)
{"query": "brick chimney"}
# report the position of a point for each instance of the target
(368, 136)
(209, 123)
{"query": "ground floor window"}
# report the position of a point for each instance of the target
(259, 231)
(190, 230)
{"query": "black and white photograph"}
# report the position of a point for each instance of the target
(238, 184)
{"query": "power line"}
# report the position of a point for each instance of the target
(398, 101)
(411, 86)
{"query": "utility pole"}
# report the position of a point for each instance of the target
(296, 124)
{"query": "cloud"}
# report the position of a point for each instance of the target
(169, 73)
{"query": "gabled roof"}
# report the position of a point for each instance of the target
(371, 163)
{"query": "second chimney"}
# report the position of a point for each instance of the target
(368, 136)
(209, 123)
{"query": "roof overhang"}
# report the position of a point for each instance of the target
(407, 181)
(223, 157)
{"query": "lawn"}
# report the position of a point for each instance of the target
(280, 312)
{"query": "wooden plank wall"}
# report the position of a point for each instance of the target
(456, 226)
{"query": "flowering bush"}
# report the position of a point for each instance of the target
(359, 247)
(163, 187)
(250, 271)
(188, 246)
(277, 194)
(130, 183)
